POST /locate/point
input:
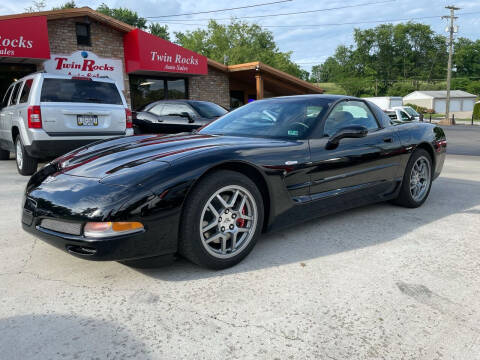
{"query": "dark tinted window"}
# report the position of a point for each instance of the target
(83, 34)
(176, 89)
(6, 96)
(349, 113)
(273, 118)
(13, 99)
(80, 91)
(26, 91)
(208, 110)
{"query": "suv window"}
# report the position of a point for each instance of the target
(6, 97)
(13, 99)
(26, 91)
(176, 109)
(349, 113)
(80, 91)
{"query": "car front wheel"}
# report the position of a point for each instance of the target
(221, 221)
(26, 165)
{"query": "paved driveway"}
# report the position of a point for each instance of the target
(380, 282)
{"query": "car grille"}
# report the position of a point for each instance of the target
(62, 226)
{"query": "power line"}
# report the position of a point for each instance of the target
(289, 13)
(173, 22)
(221, 10)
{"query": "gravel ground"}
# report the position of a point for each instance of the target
(379, 282)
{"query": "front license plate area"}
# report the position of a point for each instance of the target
(87, 120)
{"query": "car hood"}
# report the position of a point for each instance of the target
(142, 153)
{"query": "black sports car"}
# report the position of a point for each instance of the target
(174, 116)
(210, 194)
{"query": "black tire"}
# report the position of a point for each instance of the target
(405, 197)
(190, 242)
(28, 165)
(4, 154)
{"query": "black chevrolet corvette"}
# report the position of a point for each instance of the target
(208, 195)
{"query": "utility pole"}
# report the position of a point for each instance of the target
(451, 29)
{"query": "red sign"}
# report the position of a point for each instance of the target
(147, 52)
(24, 38)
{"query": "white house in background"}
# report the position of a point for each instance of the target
(437, 100)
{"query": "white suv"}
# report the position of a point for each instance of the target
(44, 116)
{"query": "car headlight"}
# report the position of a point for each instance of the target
(109, 229)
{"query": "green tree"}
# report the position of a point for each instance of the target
(123, 14)
(388, 53)
(68, 5)
(37, 5)
(159, 30)
(240, 42)
(476, 111)
(467, 57)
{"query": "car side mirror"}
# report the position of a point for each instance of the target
(346, 132)
(188, 116)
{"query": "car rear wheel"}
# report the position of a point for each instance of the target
(221, 221)
(417, 180)
(4, 154)
(26, 165)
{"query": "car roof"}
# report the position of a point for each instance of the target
(332, 97)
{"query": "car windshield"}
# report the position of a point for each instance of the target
(208, 110)
(272, 118)
(410, 111)
(80, 91)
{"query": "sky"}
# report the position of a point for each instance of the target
(309, 45)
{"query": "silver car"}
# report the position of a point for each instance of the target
(44, 116)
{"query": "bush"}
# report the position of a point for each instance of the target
(476, 111)
(418, 108)
(474, 87)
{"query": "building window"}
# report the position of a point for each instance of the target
(147, 89)
(83, 34)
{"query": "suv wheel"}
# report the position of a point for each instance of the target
(4, 154)
(26, 165)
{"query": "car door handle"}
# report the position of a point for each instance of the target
(388, 140)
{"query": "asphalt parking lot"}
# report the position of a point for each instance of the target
(379, 282)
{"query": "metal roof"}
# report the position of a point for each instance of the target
(442, 94)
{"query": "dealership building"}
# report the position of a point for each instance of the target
(82, 42)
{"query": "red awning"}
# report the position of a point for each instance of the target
(24, 38)
(147, 52)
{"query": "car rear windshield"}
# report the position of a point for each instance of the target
(80, 91)
(208, 110)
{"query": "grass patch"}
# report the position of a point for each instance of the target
(331, 88)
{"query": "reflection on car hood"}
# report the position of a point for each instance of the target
(143, 152)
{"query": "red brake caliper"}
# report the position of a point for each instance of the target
(241, 222)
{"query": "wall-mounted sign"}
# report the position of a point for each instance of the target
(147, 52)
(85, 64)
(24, 38)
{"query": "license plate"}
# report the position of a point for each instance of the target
(87, 120)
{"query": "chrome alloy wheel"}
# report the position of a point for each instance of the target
(19, 154)
(420, 178)
(228, 222)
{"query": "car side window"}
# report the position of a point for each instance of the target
(157, 109)
(25, 91)
(349, 113)
(13, 99)
(404, 116)
(7, 96)
(176, 109)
